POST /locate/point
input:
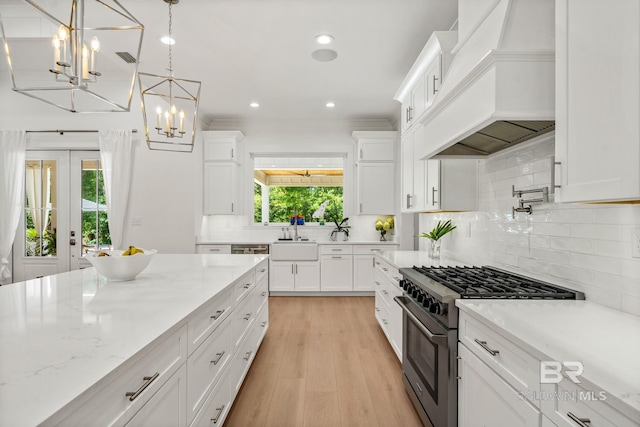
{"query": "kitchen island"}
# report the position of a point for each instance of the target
(68, 339)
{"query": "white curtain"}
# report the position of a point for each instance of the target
(38, 189)
(12, 159)
(116, 154)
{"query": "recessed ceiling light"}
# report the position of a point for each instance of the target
(324, 39)
(254, 105)
(167, 40)
(330, 104)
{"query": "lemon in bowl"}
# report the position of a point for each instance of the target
(121, 266)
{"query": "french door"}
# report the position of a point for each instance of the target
(64, 213)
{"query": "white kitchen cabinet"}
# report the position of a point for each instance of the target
(213, 249)
(364, 266)
(375, 146)
(388, 312)
(422, 82)
(452, 185)
(597, 102)
(376, 188)
(217, 405)
(336, 273)
(221, 188)
(414, 179)
(166, 407)
(294, 276)
(222, 145)
(590, 406)
(485, 399)
(221, 173)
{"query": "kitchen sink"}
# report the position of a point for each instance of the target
(289, 250)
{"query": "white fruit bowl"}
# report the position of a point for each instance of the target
(118, 268)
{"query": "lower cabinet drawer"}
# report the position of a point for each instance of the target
(382, 313)
(206, 365)
(167, 407)
(516, 366)
(240, 365)
(262, 324)
(115, 402)
(216, 406)
(567, 404)
(242, 320)
(244, 286)
(208, 317)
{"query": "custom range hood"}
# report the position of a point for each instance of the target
(500, 88)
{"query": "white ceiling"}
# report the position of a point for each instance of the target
(260, 50)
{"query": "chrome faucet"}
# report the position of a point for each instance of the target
(295, 224)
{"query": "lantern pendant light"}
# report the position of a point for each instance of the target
(70, 53)
(169, 106)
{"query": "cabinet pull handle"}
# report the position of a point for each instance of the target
(377, 283)
(377, 309)
(336, 257)
(132, 395)
(484, 345)
(582, 422)
(292, 269)
(214, 250)
(296, 268)
(232, 153)
(263, 324)
(231, 206)
(433, 196)
(361, 156)
(248, 355)
(384, 269)
(406, 115)
(218, 414)
(217, 359)
(409, 197)
(264, 294)
(247, 286)
(263, 270)
(247, 316)
(410, 113)
(384, 291)
(218, 314)
(433, 86)
(336, 250)
(360, 207)
(373, 263)
(385, 321)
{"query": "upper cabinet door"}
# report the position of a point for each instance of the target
(597, 100)
(376, 185)
(221, 145)
(376, 146)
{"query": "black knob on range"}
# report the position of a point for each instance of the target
(421, 297)
(415, 292)
(436, 308)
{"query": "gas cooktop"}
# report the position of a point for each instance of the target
(490, 282)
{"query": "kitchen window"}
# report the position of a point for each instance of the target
(284, 184)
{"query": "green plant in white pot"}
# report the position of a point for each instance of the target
(441, 229)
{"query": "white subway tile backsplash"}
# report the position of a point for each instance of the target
(580, 246)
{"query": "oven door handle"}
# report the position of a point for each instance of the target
(440, 340)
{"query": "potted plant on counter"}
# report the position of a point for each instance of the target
(435, 235)
(341, 225)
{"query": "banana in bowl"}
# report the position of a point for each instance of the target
(121, 266)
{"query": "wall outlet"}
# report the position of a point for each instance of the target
(136, 222)
(635, 242)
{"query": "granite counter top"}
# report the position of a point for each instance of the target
(62, 334)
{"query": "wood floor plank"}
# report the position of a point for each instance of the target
(321, 409)
(324, 362)
(287, 403)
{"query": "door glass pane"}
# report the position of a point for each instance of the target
(40, 208)
(95, 225)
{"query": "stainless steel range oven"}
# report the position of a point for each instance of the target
(430, 322)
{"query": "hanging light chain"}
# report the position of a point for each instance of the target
(171, 38)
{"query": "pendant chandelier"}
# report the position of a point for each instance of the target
(169, 106)
(78, 55)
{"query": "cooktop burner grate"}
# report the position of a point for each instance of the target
(489, 282)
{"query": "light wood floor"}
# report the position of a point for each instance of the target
(324, 362)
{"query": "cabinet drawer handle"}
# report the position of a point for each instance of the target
(263, 324)
(248, 355)
(263, 270)
(264, 294)
(217, 359)
(218, 414)
(433, 86)
(336, 257)
(218, 314)
(409, 204)
(582, 422)
(214, 250)
(132, 395)
(384, 291)
(247, 286)
(484, 345)
(384, 269)
(397, 279)
(433, 196)
(336, 250)
(377, 309)
(247, 316)
(385, 321)
(377, 283)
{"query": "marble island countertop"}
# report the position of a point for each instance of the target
(604, 340)
(407, 259)
(62, 334)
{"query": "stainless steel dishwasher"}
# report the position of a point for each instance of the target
(260, 248)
